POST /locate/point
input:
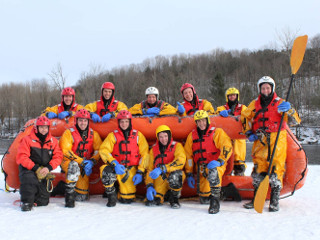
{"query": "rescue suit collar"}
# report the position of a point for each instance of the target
(109, 101)
(126, 132)
(83, 133)
(266, 100)
(41, 137)
(203, 132)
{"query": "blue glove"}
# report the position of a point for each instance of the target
(155, 173)
(95, 117)
(251, 136)
(51, 115)
(225, 113)
(119, 168)
(151, 192)
(181, 108)
(284, 106)
(88, 164)
(153, 110)
(106, 117)
(191, 181)
(215, 164)
(137, 178)
(63, 115)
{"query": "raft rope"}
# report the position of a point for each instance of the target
(303, 172)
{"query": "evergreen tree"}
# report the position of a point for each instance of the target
(217, 90)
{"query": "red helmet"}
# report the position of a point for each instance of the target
(41, 121)
(82, 113)
(68, 91)
(124, 114)
(185, 86)
(108, 85)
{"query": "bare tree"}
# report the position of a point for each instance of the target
(286, 37)
(57, 77)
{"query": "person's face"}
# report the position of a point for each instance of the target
(163, 138)
(188, 94)
(202, 123)
(266, 89)
(124, 124)
(67, 99)
(232, 97)
(83, 123)
(151, 98)
(107, 93)
(43, 129)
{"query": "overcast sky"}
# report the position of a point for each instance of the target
(36, 35)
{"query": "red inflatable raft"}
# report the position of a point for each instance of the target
(296, 163)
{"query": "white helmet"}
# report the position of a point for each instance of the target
(266, 79)
(152, 90)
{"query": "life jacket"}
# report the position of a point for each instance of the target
(237, 109)
(204, 150)
(83, 148)
(166, 157)
(101, 110)
(191, 109)
(268, 118)
(126, 152)
(159, 104)
(73, 107)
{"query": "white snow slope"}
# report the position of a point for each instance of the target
(298, 218)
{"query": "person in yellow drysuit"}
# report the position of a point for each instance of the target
(165, 169)
(152, 106)
(261, 122)
(191, 101)
(208, 149)
(66, 108)
(234, 108)
(125, 154)
(80, 146)
(107, 107)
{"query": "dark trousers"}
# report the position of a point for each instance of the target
(31, 190)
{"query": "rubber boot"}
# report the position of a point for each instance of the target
(26, 207)
(70, 195)
(174, 200)
(249, 205)
(204, 200)
(215, 200)
(274, 199)
(112, 199)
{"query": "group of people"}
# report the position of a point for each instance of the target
(127, 159)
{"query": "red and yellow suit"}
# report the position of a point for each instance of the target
(131, 153)
(165, 108)
(60, 108)
(98, 107)
(215, 144)
(201, 104)
(174, 159)
(266, 121)
(239, 145)
(74, 148)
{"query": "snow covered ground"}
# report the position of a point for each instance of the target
(298, 218)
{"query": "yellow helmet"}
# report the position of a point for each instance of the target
(162, 128)
(232, 90)
(201, 114)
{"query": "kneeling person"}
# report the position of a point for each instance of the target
(125, 152)
(38, 154)
(208, 148)
(80, 145)
(167, 160)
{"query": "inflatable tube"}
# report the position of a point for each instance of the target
(296, 162)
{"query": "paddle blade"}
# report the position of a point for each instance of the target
(297, 53)
(261, 195)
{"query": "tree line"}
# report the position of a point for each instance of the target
(211, 73)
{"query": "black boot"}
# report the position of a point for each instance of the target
(214, 205)
(174, 199)
(204, 200)
(26, 207)
(214, 200)
(249, 205)
(70, 195)
(112, 199)
(274, 199)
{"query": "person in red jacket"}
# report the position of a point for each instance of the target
(38, 154)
